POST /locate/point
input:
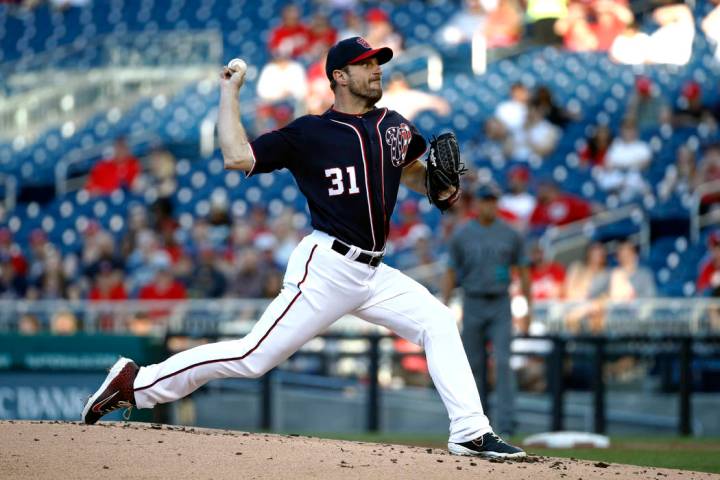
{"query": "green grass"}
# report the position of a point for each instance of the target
(699, 454)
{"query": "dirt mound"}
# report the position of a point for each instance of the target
(135, 450)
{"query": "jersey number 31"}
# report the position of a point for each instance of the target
(336, 177)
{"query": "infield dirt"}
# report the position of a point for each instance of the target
(51, 450)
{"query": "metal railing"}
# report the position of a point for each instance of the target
(431, 74)
(699, 220)
(571, 238)
(70, 84)
(372, 345)
(657, 316)
(80, 156)
(9, 185)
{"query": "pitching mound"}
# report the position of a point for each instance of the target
(133, 450)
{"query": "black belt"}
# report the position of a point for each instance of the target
(487, 296)
(365, 258)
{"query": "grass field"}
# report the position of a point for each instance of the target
(699, 454)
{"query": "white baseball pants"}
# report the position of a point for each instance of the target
(321, 286)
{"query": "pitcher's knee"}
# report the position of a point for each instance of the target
(441, 322)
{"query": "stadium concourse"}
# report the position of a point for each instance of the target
(113, 189)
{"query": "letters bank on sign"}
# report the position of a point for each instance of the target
(49, 378)
(25, 401)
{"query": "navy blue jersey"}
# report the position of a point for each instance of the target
(347, 166)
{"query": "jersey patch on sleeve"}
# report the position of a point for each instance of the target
(398, 139)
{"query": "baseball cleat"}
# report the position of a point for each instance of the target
(488, 445)
(115, 392)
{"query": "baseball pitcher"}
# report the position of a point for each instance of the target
(348, 162)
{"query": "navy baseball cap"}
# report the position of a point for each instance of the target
(487, 190)
(353, 50)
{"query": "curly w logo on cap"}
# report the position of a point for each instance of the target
(363, 42)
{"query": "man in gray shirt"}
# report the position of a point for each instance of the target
(482, 254)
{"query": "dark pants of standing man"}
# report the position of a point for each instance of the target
(485, 318)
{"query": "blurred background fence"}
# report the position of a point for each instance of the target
(655, 367)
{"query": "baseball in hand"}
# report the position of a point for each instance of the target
(237, 65)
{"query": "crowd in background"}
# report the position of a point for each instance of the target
(223, 255)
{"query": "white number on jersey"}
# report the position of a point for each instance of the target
(336, 177)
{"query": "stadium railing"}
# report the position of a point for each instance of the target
(9, 191)
(72, 82)
(651, 317)
(680, 331)
(560, 241)
(698, 219)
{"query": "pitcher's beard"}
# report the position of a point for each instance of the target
(370, 96)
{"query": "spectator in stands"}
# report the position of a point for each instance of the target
(354, 25)
(708, 280)
(588, 279)
(380, 31)
(206, 281)
(64, 323)
(98, 247)
(512, 113)
(164, 286)
(219, 223)
(139, 262)
(321, 36)
(13, 286)
(119, 171)
(282, 83)
(538, 137)
(504, 24)
(709, 171)
(160, 176)
(287, 235)
(418, 252)
(550, 110)
(258, 220)
(517, 200)
(626, 159)
(108, 283)
(575, 29)
(629, 280)
(547, 278)
(611, 18)
(681, 177)
(52, 283)
(711, 26)
(11, 252)
(291, 37)
(596, 146)
(542, 16)
(672, 42)
(169, 242)
(496, 146)
(137, 220)
(691, 112)
(464, 24)
(647, 108)
(29, 325)
(319, 97)
(631, 46)
(39, 250)
(409, 102)
(556, 208)
(253, 271)
(409, 218)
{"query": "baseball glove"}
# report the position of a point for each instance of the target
(443, 171)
